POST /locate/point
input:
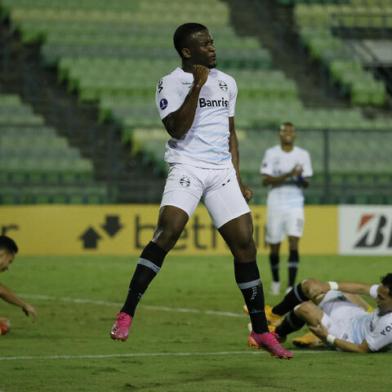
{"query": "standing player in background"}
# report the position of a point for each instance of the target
(286, 170)
(8, 250)
(196, 104)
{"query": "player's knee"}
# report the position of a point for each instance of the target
(247, 243)
(310, 287)
(293, 244)
(274, 249)
(244, 249)
(167, 237)
(303, 309)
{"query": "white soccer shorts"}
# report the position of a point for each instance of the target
(218, 188)
(284, 222)
(338, 314)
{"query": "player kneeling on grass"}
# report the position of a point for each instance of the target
(336, 316)
(8, 250)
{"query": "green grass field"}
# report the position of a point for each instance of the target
(188, 335)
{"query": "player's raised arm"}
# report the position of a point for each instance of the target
(179, 122)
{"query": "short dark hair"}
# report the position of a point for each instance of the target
(8, 244)
(286, 124)
(183, 32)
(387, 282)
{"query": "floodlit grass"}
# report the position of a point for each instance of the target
(169, 349)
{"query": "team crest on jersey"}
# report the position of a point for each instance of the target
(163, 104)
(222, 85)
(185, 181)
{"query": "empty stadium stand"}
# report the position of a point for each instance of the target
(37, 165)
(110, 55)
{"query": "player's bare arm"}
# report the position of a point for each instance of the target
(235, 157)
(354, 288)
(178, 123)
(7, 295)
(317, 288)
(320, 331)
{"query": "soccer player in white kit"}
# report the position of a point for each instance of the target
(197, 104)
(286, 169)
(331, 314)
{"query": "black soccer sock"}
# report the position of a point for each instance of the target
(289, 324)
(248, 279)
(291, 300)
(149, 264)
(274, 264)
(293, 266)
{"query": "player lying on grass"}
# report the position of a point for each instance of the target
(335, 316)
(8, 250)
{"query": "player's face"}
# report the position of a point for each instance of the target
(6, 259)
(202, 49)
(384, 300)
(287, 135)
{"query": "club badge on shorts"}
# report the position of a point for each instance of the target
(185, 181)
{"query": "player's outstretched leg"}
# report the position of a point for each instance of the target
(238, 236)
(148, 266)
(248, 280)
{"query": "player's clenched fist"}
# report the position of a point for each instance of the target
(200, 75)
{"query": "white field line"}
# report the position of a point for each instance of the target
(146, 355)
(117, 304)
(137, 355)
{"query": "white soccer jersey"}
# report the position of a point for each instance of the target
(277, 162)
(206, 144)
(375, 329)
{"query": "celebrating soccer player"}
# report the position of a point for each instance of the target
(196, 103)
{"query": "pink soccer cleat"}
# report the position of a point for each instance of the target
(269, 341)
(121, 327)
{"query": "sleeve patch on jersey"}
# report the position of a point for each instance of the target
(222, 85)
(163, 103)
(160, 86)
